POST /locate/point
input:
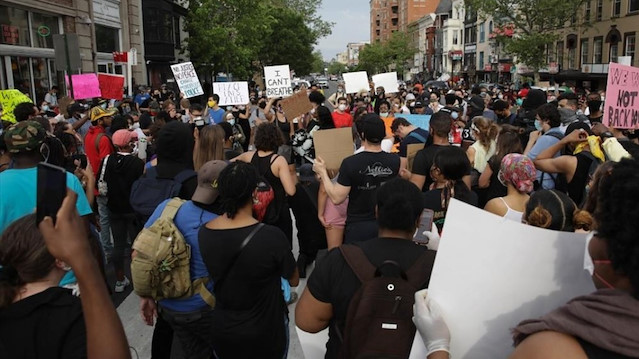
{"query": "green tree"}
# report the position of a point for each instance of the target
(535, 23)
(391, 54)
(318, 64)
(336, 68)
(373, 58)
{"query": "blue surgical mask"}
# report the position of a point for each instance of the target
(231, 122)
(519, 101)
(538, 125)
(454, 115)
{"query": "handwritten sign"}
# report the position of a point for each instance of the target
(187, 79)
(356, 81)
(296, 105)
(111, 86)
(85, 86)
(621, 109)
(9, 100)
(388, 81)
(333, 146)
(278, 81)
(232, 93)
(491, 273)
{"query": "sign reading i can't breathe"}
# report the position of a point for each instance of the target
(621, 109)
(187, 79)
(278, 81)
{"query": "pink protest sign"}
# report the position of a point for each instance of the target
(85, 86)
(621, 109)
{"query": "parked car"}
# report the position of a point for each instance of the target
(322, 82)
(298, 82)
(439, 85)
(333, 78)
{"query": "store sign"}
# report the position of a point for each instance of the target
(456, 55)
(10, 34)
(488, 67)
(470, 48)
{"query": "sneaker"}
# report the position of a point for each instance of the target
(120, 285)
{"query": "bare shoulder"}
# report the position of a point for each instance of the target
(549, 345)
(496, 206)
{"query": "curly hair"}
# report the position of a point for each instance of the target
(268, 137)
(617, 218)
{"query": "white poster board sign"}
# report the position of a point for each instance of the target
(388, 81)
(187, 79)
(232, 93)
(278, 81)
(356, 81)
(491, 273)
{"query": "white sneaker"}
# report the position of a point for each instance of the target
(120, 285)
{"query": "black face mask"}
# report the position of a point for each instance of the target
(262, 105)
(594, 106)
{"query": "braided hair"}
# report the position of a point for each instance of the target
(236, 185)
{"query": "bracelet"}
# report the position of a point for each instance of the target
(606, 134)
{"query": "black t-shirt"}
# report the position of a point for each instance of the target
(495, 188)
(250, 308)
(424, 161)
(415, 136)
(364, 173)
(121, 171)
(49, 324)
(333, 281)
(310, 232)
(433, 200)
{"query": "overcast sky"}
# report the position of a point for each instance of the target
(352, 24)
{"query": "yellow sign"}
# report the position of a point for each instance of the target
(9, 100)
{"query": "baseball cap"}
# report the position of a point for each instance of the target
(206, 191)
(98, 112)
(373, 128)
(122, 138)
(410, 97)
(24, 136)
(477, 102)
(419, 104)
(76, 107)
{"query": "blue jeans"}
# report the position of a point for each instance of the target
(105, 228)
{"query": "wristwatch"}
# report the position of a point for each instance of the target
(606, 134)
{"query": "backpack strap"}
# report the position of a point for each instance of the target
(97, 143)
(359, 263)
(417, 136)
(200, 288)
(185, 175)
(246, 241)
(416, 274)
(171, 209)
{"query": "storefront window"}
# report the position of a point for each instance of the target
(14, 24)
(21, 74)
(107, 39)
(40, 78)
(43, 28)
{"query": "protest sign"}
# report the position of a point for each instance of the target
(491, 273)
(388, 81)
(278, 81)
(356, 81)
(296, 105)
(411, 151)
(232, 93)
(621, 109)
(333, 146)
(111, 86)
(187, 79)
(421, 121)
(9, 100)
(85, 86)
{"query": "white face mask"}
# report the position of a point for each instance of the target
(342, 107)
(312, 111)
(500, 96)
(231, 122)
(340, 90)
(135, 125)
(383, 114)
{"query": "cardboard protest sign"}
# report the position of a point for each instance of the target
(411, 152)
(333, 146)
(296, 105)
(421, 121)
(621, 109)
(356, 81)
(9, 100)
(85, 86)
(111, 86)
(187, 79)
(278, 81)
(232, 93)
(388, 81)
(491, 273)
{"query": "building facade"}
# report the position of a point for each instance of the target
(352, 52)
(388, 16)
(27, 55)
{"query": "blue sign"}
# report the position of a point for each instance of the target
(421, 121)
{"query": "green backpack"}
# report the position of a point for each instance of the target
(160, 265)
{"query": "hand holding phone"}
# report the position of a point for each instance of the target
(425, 224)
(51, 190)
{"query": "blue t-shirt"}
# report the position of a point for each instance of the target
(542, 143)
(216, 116)
(140, 98)
(188, 220)
(18, 194)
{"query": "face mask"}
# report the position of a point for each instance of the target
(433, 100)
(538, 125)
(566, 113)
(212, 104)
(242, 108)
(135, 126)
(500, 96)
(342, 107)
(454, 115)
(262, 105)
(340, 90)
(519, 102)
(229, 108)
(594, 105)
(104, 106)
(231, 122)
(45, 108)
(603, 98)
(383, 114)
(312, 111)
(411, 104)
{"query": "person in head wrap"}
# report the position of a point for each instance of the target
(517, 172)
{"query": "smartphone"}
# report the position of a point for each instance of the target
(52, 188)
(425, 224)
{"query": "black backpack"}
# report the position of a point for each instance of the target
(379, 320)
(149, 191)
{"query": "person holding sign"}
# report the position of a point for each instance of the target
(360, 176)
